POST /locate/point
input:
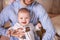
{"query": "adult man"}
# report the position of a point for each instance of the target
(10, 13)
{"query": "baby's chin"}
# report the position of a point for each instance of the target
(24, 24)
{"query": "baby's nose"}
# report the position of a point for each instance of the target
(29, 0)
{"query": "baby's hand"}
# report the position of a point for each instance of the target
(38, 26)
(21, 32)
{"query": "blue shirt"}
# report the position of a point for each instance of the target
(37, 12)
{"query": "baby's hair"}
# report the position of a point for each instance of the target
(24, 10)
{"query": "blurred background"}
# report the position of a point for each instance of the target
(52, 7)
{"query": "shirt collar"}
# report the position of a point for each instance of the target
(19, 5)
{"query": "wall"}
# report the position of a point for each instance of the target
(56, 6)
(46, 3)
(1, 6)
(52, 6)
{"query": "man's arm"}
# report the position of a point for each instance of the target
(3, 18)
(46, 23)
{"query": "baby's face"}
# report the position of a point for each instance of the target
(23, 18)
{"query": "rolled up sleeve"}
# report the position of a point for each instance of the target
(3, 19)
(46, 23)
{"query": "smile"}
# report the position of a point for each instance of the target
(24, 22)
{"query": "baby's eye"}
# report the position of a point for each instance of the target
(21, 18)
(27, 17)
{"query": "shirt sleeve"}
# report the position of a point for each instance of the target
(4, 17)
(46, 23)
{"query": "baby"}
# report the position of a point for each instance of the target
(24, 29)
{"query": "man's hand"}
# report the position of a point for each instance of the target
(19, 33)
(9, 32)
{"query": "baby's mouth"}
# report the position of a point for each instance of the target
(24, 22)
